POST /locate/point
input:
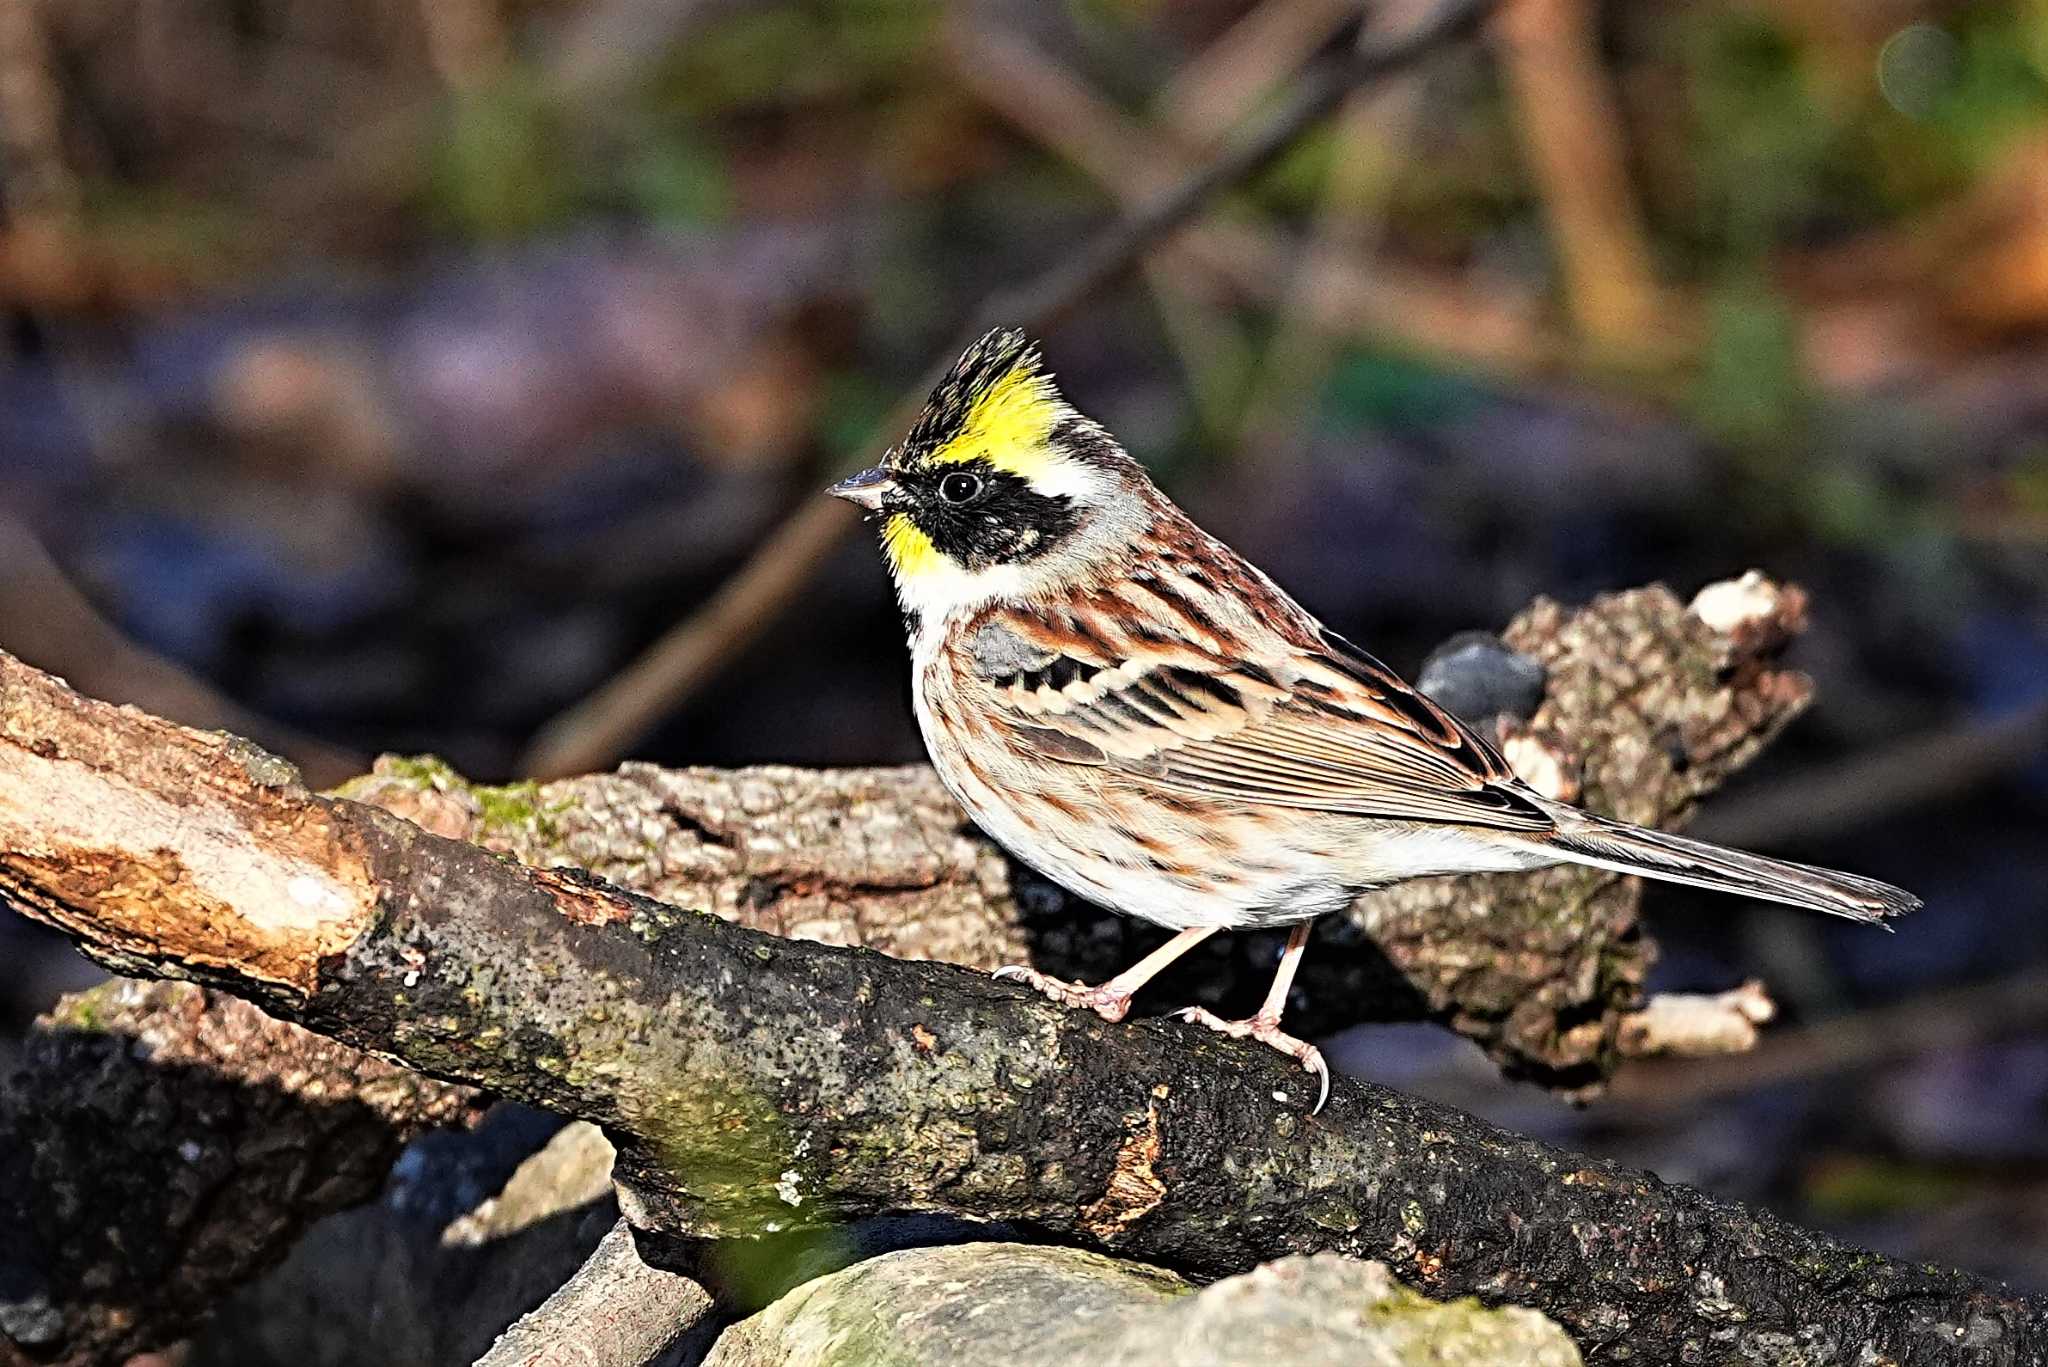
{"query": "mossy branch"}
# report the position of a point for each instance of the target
(761, 1088)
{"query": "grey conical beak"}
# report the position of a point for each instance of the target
(866, 488)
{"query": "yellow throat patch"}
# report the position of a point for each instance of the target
(911, 553)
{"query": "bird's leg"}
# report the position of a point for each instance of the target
(1264, 1024)
(1112, 1000)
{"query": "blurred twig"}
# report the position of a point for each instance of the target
(45, 620)
(1867, 787)
(1207, 97)
(1189, 270)
(603, 49)
(465, 39)
(596, 732)
(39, 186)
(1019, 81)
(1279, 409)
(1862, 1039)
(612, 42)
(1564, 107)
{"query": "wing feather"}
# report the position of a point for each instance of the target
(1322, 727)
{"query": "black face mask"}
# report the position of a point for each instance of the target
(981, 516)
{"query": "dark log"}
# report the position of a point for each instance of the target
(161, 1143)
(760, 1088)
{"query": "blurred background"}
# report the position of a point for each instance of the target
(393, 376)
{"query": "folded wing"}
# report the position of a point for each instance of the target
(1323, 727)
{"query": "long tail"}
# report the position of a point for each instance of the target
(1584, 838)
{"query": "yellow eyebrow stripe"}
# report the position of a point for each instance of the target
(1008, 425)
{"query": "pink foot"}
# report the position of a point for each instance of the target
(1111, 1006)
(1267, 1031)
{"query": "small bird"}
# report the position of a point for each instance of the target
(1135, 711)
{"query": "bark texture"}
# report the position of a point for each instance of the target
(615, 1312)
(768, 1089)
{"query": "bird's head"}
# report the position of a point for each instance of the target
(1000, 489)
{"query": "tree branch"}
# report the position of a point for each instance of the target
(615, 1312)
(762, 1088)
(880, 859)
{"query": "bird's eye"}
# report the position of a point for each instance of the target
(959, 487)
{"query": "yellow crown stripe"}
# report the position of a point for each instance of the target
(1009, 425)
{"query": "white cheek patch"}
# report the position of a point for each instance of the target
(948, 587)
(1085, 484)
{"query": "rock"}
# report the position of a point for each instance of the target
(1010, 1305)
(1476, 675)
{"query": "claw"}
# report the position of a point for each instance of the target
(1108, 1004)
(1269, 1033)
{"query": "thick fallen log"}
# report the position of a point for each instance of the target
(763, 1088)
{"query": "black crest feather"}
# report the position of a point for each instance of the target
(979, 369)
